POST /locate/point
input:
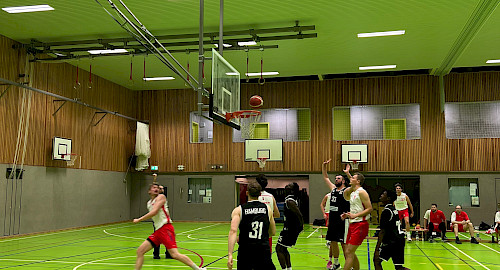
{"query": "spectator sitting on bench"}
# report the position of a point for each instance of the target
(436, 221)
(460, 222)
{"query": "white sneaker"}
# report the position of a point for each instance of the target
(408, 239)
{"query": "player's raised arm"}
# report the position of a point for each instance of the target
(328, 182)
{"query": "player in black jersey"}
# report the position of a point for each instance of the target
(294, 224)
(391, 238)
(256, 224)
(337, 228)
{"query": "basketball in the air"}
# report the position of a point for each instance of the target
(256, 102)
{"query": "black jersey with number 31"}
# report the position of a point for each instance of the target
(254, 225)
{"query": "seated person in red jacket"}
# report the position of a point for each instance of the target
(436, 222)
(460, 222)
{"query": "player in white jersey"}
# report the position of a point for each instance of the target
(164, 234)
(360, 209)
(269, 200)
(402, 204)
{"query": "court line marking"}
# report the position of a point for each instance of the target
(489, 248)
(54, 233)
(469, 256)
(313, 232)
(199, 228)
(99, 262)
(439, 266)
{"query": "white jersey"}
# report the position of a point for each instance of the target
(163, 216)
(427, 214)
(267, 198)
(327, 204)
(400, 203)
(357, 206)
(497, 220)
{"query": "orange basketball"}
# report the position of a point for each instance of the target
(256, 102)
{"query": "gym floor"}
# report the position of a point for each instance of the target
(113, 247)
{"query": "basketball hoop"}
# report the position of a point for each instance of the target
(71, 161)
(354, 164)
(246, 119)
(262, 162)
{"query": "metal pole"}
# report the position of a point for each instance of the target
(67, 99)
(201, 59)
(221, 27)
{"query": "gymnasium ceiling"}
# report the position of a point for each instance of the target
(440, 35)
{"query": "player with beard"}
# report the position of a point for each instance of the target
(337, 228)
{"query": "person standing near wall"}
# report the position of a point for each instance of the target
(294, 224)
(391, 239)
(359, 213)
(337, 227)
(164, 234)
(497, 223)
(402, 204)
(256, 224)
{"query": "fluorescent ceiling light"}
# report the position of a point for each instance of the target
(28, 9)
(493, 61)
(377, 67)
(382, 34)
(108, 51)
(268, 73)
(223, 45)
(159, 79)
(247, 43)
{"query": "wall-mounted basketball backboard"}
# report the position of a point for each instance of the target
(225, 96)
(354, 152)
(272, 150)
(61, 149)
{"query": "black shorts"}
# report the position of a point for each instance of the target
(395, 251)
(288, 238)
(255, 259)
(337, 230)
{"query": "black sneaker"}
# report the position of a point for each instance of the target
(167, 255)
(444, 238)
(156, 257)
(474, 241)
(458, 241)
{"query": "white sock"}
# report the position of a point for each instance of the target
(195, 267)
(330, 259)
(408, 234)
(336, 260)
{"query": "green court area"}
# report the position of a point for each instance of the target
(113, 247)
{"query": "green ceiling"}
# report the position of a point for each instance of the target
(434, 31)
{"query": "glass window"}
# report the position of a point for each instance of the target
(199, 190)
(472, 120)
(291, 125)
(201, 130)
(463, 191)
(377, 122)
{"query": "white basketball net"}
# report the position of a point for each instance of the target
(247, 120)
(354, 165)
(71, 162)
(262, 162)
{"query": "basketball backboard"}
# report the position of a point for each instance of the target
(225, 96)
(61, 149)
(272, 150)
(354, 152)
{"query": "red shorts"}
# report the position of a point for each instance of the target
(403, 213)
(327, 219)
(357, 233)
(435, 227)
(460, 227)
(164, 235)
